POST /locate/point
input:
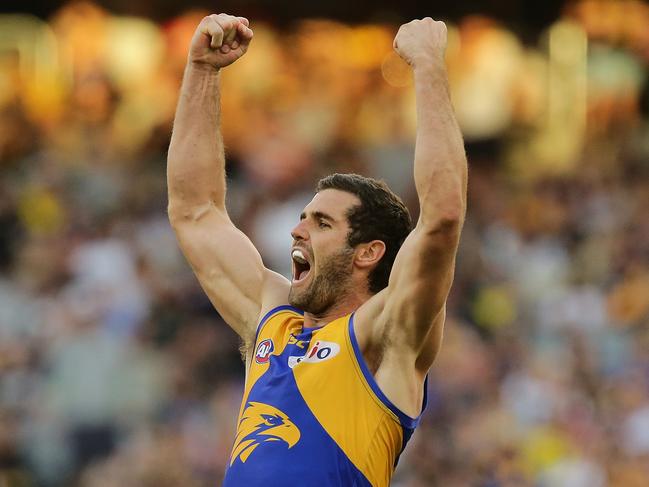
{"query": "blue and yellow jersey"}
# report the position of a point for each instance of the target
(312, 413)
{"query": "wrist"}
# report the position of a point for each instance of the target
(428, 70)
(203, 67)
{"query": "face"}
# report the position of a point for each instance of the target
(322, 260)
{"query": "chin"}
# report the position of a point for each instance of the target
(293, 298)
(308, 304)
(316, 296)
(297, 300)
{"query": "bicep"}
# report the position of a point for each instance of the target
(229, 269)
(419, 284)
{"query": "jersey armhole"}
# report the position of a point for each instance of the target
(271, 313)
(406, 421)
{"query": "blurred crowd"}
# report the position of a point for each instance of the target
(116, 371)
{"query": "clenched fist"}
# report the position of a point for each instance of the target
(219, 40)
(421, 42)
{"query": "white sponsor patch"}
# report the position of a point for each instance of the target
(319, 352)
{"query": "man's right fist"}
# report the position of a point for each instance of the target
(219, 40)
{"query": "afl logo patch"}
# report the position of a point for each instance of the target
(264, 349)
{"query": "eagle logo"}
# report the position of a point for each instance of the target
(262, 423)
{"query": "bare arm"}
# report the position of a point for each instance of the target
(412, 308)
(423, 270)
(226, 263)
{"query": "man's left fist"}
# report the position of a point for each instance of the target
(421, 42)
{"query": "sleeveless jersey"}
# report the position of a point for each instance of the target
(312, 413)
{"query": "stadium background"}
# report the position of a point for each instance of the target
(116, 371)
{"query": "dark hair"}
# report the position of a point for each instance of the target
(380, 216)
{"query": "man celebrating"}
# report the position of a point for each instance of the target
(336, 358)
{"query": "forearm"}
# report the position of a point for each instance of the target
(196, 159)
(440, 163)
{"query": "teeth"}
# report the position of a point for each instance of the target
(298, 257)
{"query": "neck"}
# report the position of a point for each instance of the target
(344, 306)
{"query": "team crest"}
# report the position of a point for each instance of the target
(264, 349)
(259, 424)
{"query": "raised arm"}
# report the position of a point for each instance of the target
(226, 263)
(423, 270)
(409, 314)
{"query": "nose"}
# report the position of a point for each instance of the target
(300, 232)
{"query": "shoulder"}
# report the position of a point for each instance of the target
(271, 322)
(369, 321)
(277, 312)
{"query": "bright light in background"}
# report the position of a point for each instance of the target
(322, 69)
(488, 63)
(554, 143)
(134, 50)
(396, 71)
(37, 58)
(567, 92)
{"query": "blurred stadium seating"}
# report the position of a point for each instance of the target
(116, 371)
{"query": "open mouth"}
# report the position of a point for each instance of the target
(301, 266)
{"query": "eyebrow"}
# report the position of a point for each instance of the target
(317, 215)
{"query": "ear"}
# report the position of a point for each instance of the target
(368, 254)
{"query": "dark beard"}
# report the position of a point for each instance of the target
(331, 282)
